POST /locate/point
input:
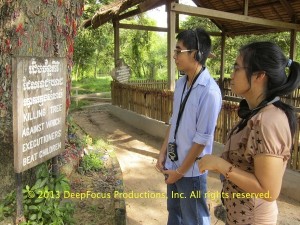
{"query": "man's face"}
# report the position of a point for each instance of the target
(184, 58)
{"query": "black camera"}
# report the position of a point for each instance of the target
(172, 151)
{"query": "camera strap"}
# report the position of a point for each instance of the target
(182, 104)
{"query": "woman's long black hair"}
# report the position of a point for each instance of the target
(267, 56)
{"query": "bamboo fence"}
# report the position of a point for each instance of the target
(152, 99)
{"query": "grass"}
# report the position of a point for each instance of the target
(91, 85)
(102, 144)
(79, 105)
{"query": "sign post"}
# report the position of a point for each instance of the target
(39, 114)
(39, 110)
(122, 72)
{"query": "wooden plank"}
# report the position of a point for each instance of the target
(246, 6)
(221, 80)
(293, 44)
(141, 27)
(150, 4)
(294, 156)
(288, 7)
(215, 14)
(217, 34)
(117, 41)
(128, 14)
(171, 46)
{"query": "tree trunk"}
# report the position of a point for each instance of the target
(30, 28)
(96, 63)
(77, 71)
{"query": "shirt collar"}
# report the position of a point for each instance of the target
(203, 78)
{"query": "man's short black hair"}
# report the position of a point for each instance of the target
(189, 40)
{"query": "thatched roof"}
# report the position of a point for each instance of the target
(276, 10)
(108, 12)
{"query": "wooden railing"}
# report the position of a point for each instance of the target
(157, 103)
(151, 102)
(154, 84)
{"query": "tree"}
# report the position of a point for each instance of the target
(84, 51)
(144, 51)
(92, 45)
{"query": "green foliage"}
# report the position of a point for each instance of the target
(79, 105)
(102, 144)
(91, 85)
(195, 22)
(7, 206)
(93, 53)
(43, 201)
(92, 162)
(145, 52)
(87, 140)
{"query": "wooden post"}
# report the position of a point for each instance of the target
(171, 46)
(222, 69)
(293, 44)
(292, 56)
(55, 169)
(116, 41)
(19, 199)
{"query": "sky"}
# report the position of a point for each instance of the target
(159, 14)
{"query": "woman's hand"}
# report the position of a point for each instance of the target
(210, 162)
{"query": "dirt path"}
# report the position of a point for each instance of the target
(137, 152)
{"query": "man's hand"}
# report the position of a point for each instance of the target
(172, 176)
(160, 164)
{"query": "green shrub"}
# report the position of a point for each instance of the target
(92, 162)
(43, 201)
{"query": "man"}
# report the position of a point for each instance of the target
(197, 103)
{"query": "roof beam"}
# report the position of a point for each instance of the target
(128, 14)
(215, 14)
(141, 27)
(251, 30)
(150, 4)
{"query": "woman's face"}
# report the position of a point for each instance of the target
(239, 82)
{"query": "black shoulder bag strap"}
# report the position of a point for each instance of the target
(182, 105)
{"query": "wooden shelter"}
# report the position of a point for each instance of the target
(232, 17)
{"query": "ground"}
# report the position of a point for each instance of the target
(145, 189)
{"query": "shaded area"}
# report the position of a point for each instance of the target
(136, 152)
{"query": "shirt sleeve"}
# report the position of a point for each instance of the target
(207, 118)
(269, 135)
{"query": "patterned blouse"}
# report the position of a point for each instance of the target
(266, 133)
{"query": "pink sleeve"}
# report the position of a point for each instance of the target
(269, 135)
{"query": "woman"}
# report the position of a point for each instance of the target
(258, 148)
